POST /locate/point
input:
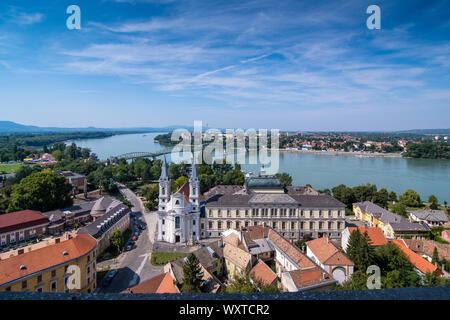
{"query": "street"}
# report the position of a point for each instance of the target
(134, 265)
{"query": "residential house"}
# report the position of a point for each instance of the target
(78, 181)
(425, 248)
(432, 218)
(262, 275)
(163, 283)
(210, 259)
(376, 236)
(392, 225)
(284, 258)
(21, 226)
(446, 235)
(323, 252)
(421, 265)
(48, 269)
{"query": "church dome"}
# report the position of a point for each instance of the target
(99, 208)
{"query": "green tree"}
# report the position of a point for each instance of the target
(432, 199)
(192, 275)
(435, 258)
(358, 281)
(344, 194)
(179, 182)
(285, 179)
(400, 209)
(392, 196)
(360, 251)
(381, 198)
(410, 198)
(116, 239)
(42, 191)
(241, 283)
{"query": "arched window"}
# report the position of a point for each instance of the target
(193, 191)
(177, 202)
(163, 191)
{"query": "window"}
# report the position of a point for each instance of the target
(12, 237)
(228, 224)
(292, 225)
(39, 289)
(228, 213)
(88, 258)
(193, 191)
(210, 224)
(39, 278)
(21, 235)
(177, 202)
(177, 222)
(237, 224)
(53, 273)
(163, 221)
(193, 222)
(246, 223)
(24, 284)
(219, 225)
(163, 191)
(53, 285)
(8, 289)
(3, 239)
(88, 269)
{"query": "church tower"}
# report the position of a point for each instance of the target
(164, 187)
(194, 188)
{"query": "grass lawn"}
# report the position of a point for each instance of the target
(161, 258)
(9, 168)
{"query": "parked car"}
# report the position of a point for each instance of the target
(109, 276)
(142, 227)
(128, 247)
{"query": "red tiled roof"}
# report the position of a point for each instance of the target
(184, 190)
(375, 234)
(232, 239)
(290, 250)
(261, 272)
(310, 277)
(21, 219)
(327, 253)
(417, 261)
(46, 257)
(252, 233)
(162, 283)
(236, 255)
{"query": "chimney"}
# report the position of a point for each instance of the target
(20, 251)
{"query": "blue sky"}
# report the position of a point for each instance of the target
(296, 65)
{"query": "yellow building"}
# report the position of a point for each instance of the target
(54, 268)
(392, 225)
(236, 260)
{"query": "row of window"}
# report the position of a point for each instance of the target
(283, 225)
(282, 212)
(12, 236)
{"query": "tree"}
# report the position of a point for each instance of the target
(400, 208)
(410, 198)
(235, 177)
(344, 194)
(192, 275)
(392, 196)
(381, 198)
(285, 179)
(179, 182)
(433, 202)
(42, 191)
(358, 281)
(360, 251)
(435, 258)
(116, 239)
(241, 283)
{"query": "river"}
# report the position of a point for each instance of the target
(426, 176)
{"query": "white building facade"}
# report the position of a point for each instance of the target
(179, 213)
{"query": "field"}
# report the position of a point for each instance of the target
(161, 258)
(9, 168)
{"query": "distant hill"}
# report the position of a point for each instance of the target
(9, 127)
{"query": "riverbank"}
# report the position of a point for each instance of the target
(346, 153)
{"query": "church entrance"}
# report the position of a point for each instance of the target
(177, 238)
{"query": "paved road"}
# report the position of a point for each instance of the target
(134, 265)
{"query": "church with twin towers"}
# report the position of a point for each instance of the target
(179, 213)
